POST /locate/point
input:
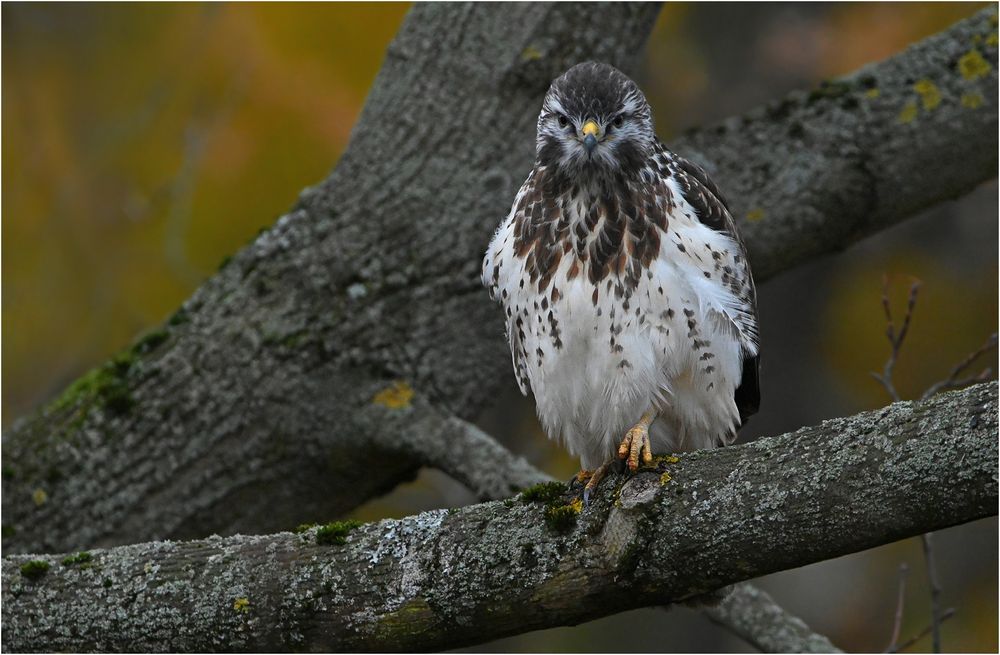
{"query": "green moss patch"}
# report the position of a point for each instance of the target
(336, 533)
(80, 558)
(180, 317)
(34, 569)
(559, 515)
(105, 386)
(828, 89)
(562, 518)
(546, 492)
(150, 342)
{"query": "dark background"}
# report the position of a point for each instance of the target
(144, 143)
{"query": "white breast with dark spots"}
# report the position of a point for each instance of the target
(597, 356)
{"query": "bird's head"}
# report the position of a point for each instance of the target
(595, 123)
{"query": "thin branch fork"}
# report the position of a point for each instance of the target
(947, 614)
(895, 339)
(951, 382)
(444, 579)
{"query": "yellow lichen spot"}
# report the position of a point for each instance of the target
(972, 65)
(755, 214)
(929, 94)
(577, 505)
(909, 113)
(397, 396)
(872, 93)
(39, 496)
(972, 100)
(531, 53)
(992, 40)
(241, 605)
(665, 478)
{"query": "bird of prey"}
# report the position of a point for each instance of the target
(629, 302)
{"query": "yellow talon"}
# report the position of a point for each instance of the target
(636, 443)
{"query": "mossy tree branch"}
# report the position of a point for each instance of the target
(816, 171)
(491, 471)
(447, 578)
(114, 459)
(273, 396)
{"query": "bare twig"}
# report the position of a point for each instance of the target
(895, 340)
(932, 579)
(947, 614)
(898, 622)
(953, 381)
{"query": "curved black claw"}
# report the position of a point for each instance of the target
(586, 497)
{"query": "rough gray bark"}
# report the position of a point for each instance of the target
(818, 170)
(754, 616)
(260, 400)
(490, 470)
(254, 405)
(447, 578)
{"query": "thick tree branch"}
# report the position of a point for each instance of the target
(489, 469)
(443, 579)
(754, 616)
(816, 171)
(273, 396)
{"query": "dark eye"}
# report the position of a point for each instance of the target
(563, 121)
(619, 120)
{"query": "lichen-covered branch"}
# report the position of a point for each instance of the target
(751, 614)
(447, 578)
(282, 390)
(473, 457)
(814, 172)
(317, 368)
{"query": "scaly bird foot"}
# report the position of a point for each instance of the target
(635, 445)
(595, 479)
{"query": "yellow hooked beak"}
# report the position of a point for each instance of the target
(590, 131)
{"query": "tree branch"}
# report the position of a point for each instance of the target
(443, 579)
(273, 396)
(752, 615)
(263, 401)
(486, 467)
(820, 169)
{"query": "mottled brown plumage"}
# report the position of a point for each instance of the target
(627, 292)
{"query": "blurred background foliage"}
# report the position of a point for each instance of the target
(144, 143)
